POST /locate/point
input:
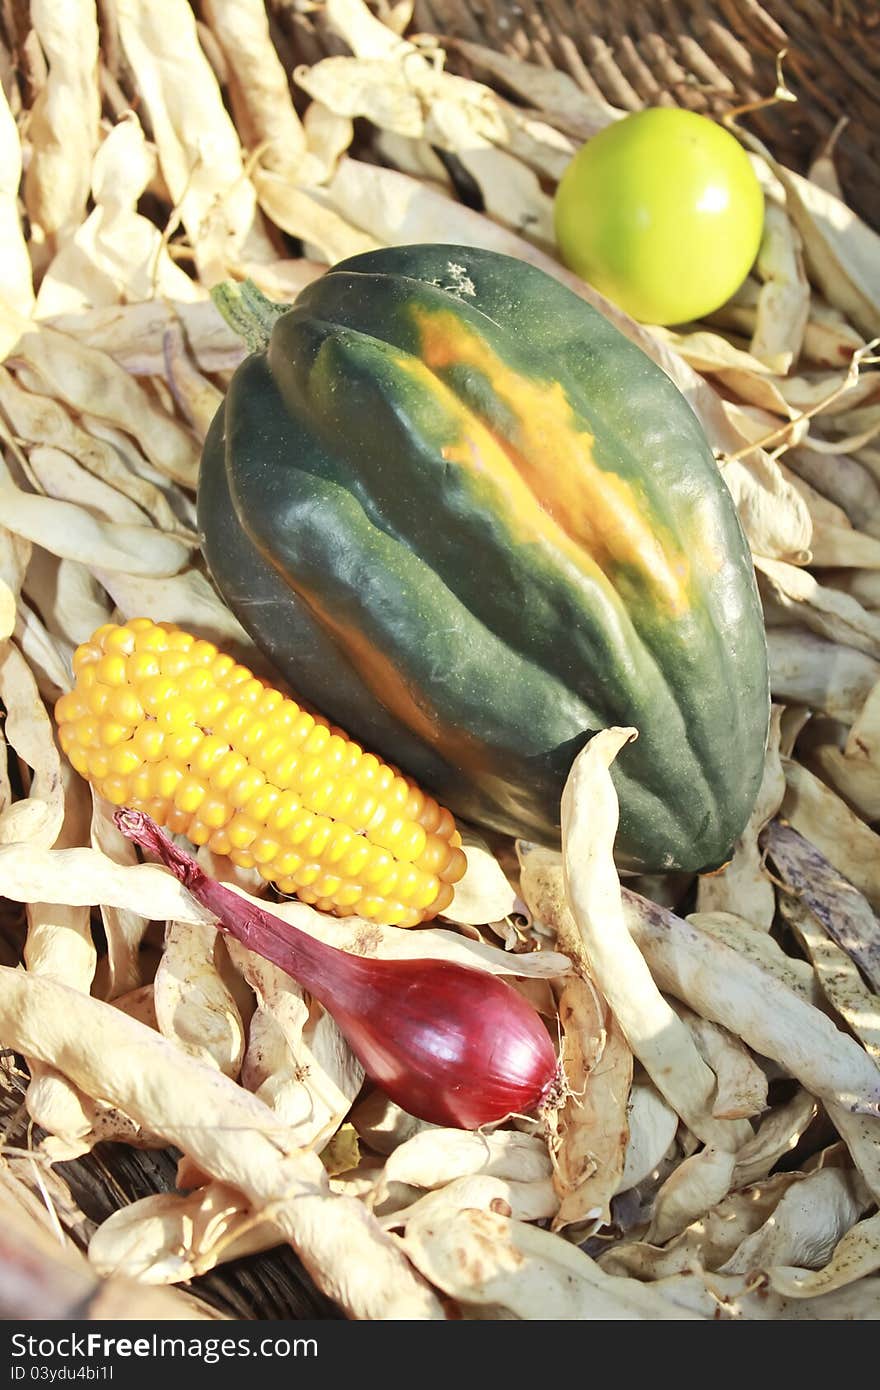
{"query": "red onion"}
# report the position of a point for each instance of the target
(449, 1044)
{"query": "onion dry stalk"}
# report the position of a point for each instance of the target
(448, 1044)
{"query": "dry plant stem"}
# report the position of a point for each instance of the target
(34, 821)
(227, 1132)
(731, 990)
(172, 1236)
(843, 912)
(465, 1050)
(259, 87)
(198, 147)
(783, 435)
(742, 886)
(59, 945)
(531, 1270)
(15, 269)
(590, 1149)
(654, 1031)
(42, 1277)
(840, 835)
(838, 976)
(194, 1007)
(785, 1247)
(68, 107)
(78, 876)
(312, 1094)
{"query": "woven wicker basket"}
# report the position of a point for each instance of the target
(707, 55)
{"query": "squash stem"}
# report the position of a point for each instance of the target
(247, 311)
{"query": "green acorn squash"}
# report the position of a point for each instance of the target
(473, 524)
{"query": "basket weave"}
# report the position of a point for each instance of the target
(706, 55)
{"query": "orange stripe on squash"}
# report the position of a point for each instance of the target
(553, 458)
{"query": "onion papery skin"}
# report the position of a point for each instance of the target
(490, 1057)
(451, 1045)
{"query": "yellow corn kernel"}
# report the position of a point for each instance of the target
(226, 769)
(173, 664)
(112, 669)
(99, 764)
(307, 875)
(269, 701)
(299, 831)
(263, 802)
(88, 731)
(211, 704)
(249, 692)
(317, 739)
(151, 639)
(178, 821)
(175, 714)
(253, 735)
(311, 772)
(115, 789)
(85, 655)
(67, 738)
(215, 811)
(195, 681)
(155, 692)
(376, 867)
(362, 810)
(317, 841)
(320, 793)
(141, 666)
(244, 787)
(112, 733)
(182, 746)
(242, 831)
(141, 784)
(285, 812)
(125, 706)
(341, 801)
(162, 720)
(70, 706)
(354, 859)
(287, 864)
(98, 698)
(346, 896)
(164, 779)
(285, 772)
(208, 753)
(190, 793)
(233, 719)
(203, 653)
(121, 639)
(371, 906)
(220, 842)
(221, 665)
(197, 831)
(430, 817)
(79, 759)
(264, 849)
(148, 741)
(301, 727)
(124, 760)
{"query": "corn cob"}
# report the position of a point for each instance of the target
(161, 721)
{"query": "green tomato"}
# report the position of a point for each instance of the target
(662, 213)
